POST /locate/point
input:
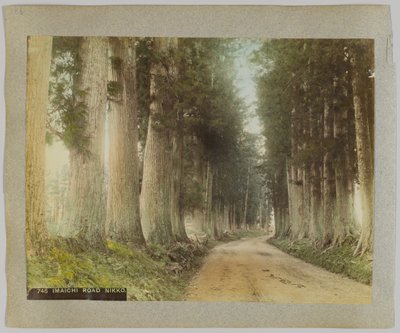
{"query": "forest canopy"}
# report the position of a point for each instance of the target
(154, 145)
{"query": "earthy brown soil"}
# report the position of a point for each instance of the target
(252, 270)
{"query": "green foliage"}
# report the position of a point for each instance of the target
(147, 274)
(49, 138)
(116, 63)
(199, 100)
(214, 114)
(191, 194)
(114, 89)
(337, 260)
(154, 273)
(143, 65)
(297, 78)
(67, 113)
(206, 93)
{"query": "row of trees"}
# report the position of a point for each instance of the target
(316, 101)
(154, 132)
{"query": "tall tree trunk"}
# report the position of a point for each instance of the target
(226, 225)
(177, 213)
(316, 203)
(364, 160)
(315, 181)
(38, 71)
(220, 222)
(280, 203)
(233, 214)
(157, 165)
(343, 222)
(295, 181)
(246, 199)
(208, 199)
(178, 224)
(329, 190)
(305, 174)
(305, 228)
(86, 198)
(268, 220)
(198, 175)
(123, 213)
(215, 208)
(261, 211)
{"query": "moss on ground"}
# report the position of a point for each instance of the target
(151, 274)
(154, 273)
(337, 259)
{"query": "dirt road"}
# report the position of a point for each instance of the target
(252, 270)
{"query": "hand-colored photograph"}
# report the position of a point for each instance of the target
(200, 169)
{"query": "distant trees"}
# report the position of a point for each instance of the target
(316, 101)
(218, 151)
(155, 133)
(168, 114)
(200, 129)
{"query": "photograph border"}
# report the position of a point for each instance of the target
(200, 21)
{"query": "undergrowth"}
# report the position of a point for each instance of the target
(148, 274)
(153, 273)
(336, 259)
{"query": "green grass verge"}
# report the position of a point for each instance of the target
(337, 259)
(147, 274)
(155, 273)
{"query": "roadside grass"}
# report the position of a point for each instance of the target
(337, 259)
(148, 274)
(155, 273)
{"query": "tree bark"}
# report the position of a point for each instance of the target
(295, 181)
(268, 219)
(316, 203)
(209, 200)
(199, 181)
(306, 212)
(38, 71)
(261, 210)
(86, 198)
(280, 203)
(343, 222)
(246, 199)
(177, 213)
(364, 161)
(305, 175)
(315, 180)
(329, 190)
(123, 213)
(226, 225)
(157, 165)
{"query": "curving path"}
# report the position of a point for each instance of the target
(252, 270)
